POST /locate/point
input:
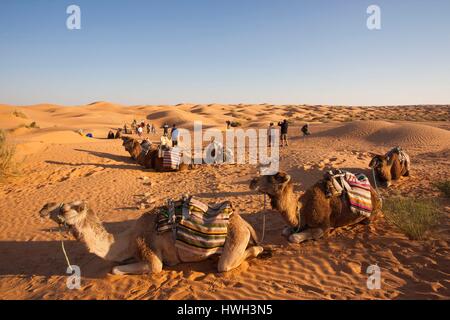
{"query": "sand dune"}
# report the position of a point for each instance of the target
(411, 135)
(57, 164)
(382, 132)
(62, 137)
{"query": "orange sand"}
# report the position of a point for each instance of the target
(60, 165)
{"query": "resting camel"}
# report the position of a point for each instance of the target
(143, 245)
(150, 159)
(312, 215)
(389, 167)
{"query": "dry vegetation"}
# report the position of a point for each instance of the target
(20, 114)
(7, 166)
(444, 187)
(414, 217)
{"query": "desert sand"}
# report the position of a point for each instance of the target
(57, 164)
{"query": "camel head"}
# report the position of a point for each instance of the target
(272, 185)
(132, 146)
(127, 141)
(382, 167)
(65, 214)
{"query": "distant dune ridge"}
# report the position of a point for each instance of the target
(58, 123)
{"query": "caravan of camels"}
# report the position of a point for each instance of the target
(139, 202)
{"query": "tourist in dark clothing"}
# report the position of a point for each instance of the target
(305, 130)
(166, 129)
(284, 125)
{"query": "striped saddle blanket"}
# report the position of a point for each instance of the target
(355, 186)
(402, 155)
(198, 228)
(171, 159)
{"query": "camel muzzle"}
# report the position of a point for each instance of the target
(254, 185)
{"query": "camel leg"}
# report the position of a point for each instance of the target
(287, 231)
(134, 268)
(152, 265)
(235, 251)
(308, 234)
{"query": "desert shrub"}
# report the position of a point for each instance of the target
(33, 125)
(20, 114)
(444, 187)
(414, 217)
(7, 166)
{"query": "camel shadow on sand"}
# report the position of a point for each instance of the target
(46, 258)
(100, 165)
(110, 156)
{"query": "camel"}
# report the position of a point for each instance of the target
(313, 214)
(141, 249)
(150, 159)
(389, 168)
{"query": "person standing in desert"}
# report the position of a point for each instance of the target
(271, 134)
(284, 126)
(165, 128)
(174, 135)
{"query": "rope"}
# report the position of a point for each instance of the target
(299, 224)
(65, 254)
(264, 221)
(376, 186)
(62, 243)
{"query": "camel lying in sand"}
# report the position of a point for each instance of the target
(150, 159)
(143, 244)
(317, 212)
(391, 166)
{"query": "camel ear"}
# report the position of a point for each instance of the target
(390, 160)
(47, 208)
(283, 178)
(375, 161)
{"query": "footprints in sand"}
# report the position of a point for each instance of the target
(80, 173)
(62, 175)
(340, 160)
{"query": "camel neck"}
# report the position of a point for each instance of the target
(287, 205)
(137, 151)
(94, 235)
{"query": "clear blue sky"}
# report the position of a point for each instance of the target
(217, 51)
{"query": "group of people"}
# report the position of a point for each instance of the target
(284, 127)
(173, 137)
(139, 128)
(117, 135)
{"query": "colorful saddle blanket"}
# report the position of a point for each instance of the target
(198, 228)
(356, 187)
(402, 155)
